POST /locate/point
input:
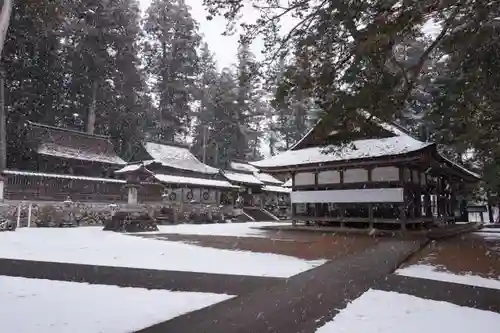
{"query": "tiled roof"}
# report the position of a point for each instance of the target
(177, 158)
(70, 144)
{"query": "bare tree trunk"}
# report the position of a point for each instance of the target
(490, 207)
(4, 25)
(205, 129)
(3, 134)
(91, 112)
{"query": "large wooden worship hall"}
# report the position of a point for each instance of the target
(383, 178)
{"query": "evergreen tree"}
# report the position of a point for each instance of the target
(205, 113)
(35, 71)
(248, 114)
(171, 60)
(352, 51)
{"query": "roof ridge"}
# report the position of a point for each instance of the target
(99, 136)
(169, 144)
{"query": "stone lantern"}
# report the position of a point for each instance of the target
(134, 174)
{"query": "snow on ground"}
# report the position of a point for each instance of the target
(382, 311)
(92, 246)
(489, 235)
(434, 273)
(42, 306)
(247, 229)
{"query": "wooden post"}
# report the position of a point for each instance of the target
(30, 207)
(132, 195)
(370, 215)
(402, 206)
(2, 187)
(19, 215)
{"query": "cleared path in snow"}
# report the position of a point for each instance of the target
(135, 277)
(459, 294)
(296, 304)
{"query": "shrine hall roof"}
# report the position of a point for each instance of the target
(71, 144)
(358, 149)
(177, 157)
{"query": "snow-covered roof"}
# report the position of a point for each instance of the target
(239, 166)
(267, 178)
(244, 178)
(392, 128)
(170, 179)
(177, 158)
(60, 176)
(133, 168)
(247, 168)
(53, 149)
(462, 168)
(277, 189)
(356, 150)
(129, 168)
(70, 144)
(288, 183)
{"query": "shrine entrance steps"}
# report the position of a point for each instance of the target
(259, 215)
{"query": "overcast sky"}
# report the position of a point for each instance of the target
(224, 47)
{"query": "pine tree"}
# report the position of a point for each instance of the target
(171, 59)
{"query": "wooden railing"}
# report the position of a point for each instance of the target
(22, 185)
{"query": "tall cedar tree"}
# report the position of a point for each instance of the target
(171, 58)
(35, 71)
(101, 46)
(203, 143)
(246, 139)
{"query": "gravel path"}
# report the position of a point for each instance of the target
(299, 304)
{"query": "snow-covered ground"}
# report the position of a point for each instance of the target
(430, 272)
(381, 311)
(92, 246)
(247, 229)
(43, 306)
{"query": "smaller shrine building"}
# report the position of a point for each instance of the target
(383, 177)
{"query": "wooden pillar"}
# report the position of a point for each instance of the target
(402, 206)
(2, 187)
(427, 202)
(132, 195)
(370, 215)
(370, 205)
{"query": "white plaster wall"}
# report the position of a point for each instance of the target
(355, 175)
(304, 178)
(348, 196)
(385, 174)
(328, 177)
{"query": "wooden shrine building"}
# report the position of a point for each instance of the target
(179, 177)
(385, 177)
(263, 195)
(66, 163)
